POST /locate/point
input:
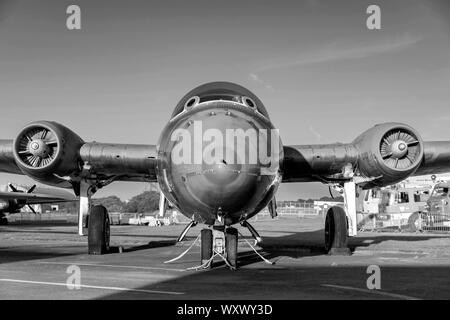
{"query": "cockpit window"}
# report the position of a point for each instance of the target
(220, 97)
(220, 91)
(191, 102)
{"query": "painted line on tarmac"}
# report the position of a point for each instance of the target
(92, 287)
(109, 266)
(378, 292)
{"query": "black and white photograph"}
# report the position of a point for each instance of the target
(220, 157)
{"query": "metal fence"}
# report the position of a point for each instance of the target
(293, 208)
(53, 217)
(423, 221)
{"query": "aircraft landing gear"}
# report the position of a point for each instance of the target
(98, 230)
(231, 246)
(336, 232)
(3, 220)
(206, 240)
(185, 231)
(220, 241)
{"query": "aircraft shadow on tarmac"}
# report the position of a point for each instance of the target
(293, 245)
(19, 254)
(297, 280)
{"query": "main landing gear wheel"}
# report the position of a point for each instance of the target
(231, 246)
(336, 232)
(3, 220)
(98, 230)
(206, 245)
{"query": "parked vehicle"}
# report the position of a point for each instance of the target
(396, 206)
(437, 210)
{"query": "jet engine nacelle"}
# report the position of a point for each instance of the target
(48, 152)
(388, 153)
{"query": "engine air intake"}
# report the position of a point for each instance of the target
(400, 149)
(37, 147)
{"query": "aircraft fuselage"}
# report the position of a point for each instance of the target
(220, 158)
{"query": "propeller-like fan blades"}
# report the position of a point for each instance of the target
(14, 189)
(31, 208)
(37, 147)
(400, 149)
(31, 189)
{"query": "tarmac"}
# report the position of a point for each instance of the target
(45, 261)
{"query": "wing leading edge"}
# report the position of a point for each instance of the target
(330, 162)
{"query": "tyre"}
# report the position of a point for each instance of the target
(206, 245)
(3, 221)
(414, 222)
(86, 222)
(335, 229)
(231, 246)
(98, 230)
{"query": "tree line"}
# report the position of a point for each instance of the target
(145, 202)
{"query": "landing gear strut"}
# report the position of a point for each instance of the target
(220, 241)
(341, 223)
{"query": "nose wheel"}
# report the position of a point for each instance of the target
(231, 246)
(221, 242)
(206, 240)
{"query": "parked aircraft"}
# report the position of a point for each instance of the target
(219, 161)
(16, 199)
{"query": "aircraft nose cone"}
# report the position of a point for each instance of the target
(34, 145)
(39, 148)
(399, 149)
(210, 159)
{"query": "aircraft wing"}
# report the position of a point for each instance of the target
(334, 163)
(38, 198)
(7, 162)
(70, 159)
(122, 162)
(383, 155)
(436, 158)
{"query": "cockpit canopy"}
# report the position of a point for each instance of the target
(226, 91)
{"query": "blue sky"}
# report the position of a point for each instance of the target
(323, 76)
